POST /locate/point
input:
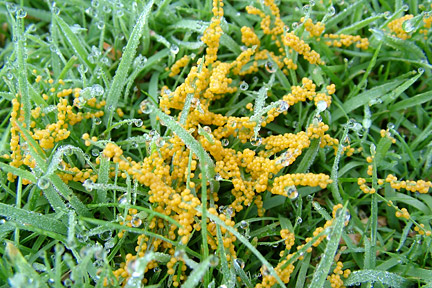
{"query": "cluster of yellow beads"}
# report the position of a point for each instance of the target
(314, 29)
(249, 38)
(337, 40)
(396, 26)
(335, 278)
(386, 133)
(420, 186)
(403, 213)
(179, 64)
(421, 230)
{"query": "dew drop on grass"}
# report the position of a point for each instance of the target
(270, 67)
(244, 86)
(160, 142)
(11, 7)
(225, 142)
(264, 270)
(21, 13)
(95, 3)
(294, 25)
(283, 106)
(97, 121)
(180, 253)
(405, 7)
(138, 123)
(244, 224)
(229, 211)
(95, 152)
(256, 141)
(239, 262)
(299, 220)
(146, 107)
(43, 183)
(106, 9)
(9, 76)
(136, 221)
(174, 49)
(88, 184)
(214, 261)
(291, 192)
(105, 236)
(306, 8)
(218, 177)
(122, 200)
(421, 70)
(331, 11)
(119, 13)
(321, 106)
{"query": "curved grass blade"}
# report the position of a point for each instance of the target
(323, 268)
(384, 277)
(197, 274)
(242, 239)
(119, 80)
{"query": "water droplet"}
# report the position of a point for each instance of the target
(264, 270)
(214, 261)
(256, 141)
(225, 142)
(367, 123)
(390, 126)
(309, 198)
(95, 3)
(174, 49)
(138, 123)
(11, 7)
(106, 9)
(321, 106)
(408, 25)
(160, 142)
(56, 10)
(331, 11)
(95, 152)
(2, 221)
(9, 75)
(421, 70)
(88, 183)
(405, 7)
(244, 86)
(239, 262)
(229, 211)
(285, 159)
(97, 121)
(136, 221)
(283, 106)
(43, 183)
(156, 269)
(218, 177)
(306, 9)
(291, 192)
(146, 107)
(180, 253)
(21, 13)
(270, 67)
(244, 224)
(294, 25)
(299, 220)
(119, 13)
(122, 200)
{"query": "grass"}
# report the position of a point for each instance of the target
(115, 173)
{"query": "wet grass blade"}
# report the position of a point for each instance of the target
(323, 268)
(119, 80)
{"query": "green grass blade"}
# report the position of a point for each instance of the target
(197, 274)
(242, 239)
(119, 80)
(73, 40)
(31, 218)
(18, 172)
(384, 277)
(22, 266)
(323, 268)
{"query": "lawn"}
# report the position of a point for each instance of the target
(187, 143)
